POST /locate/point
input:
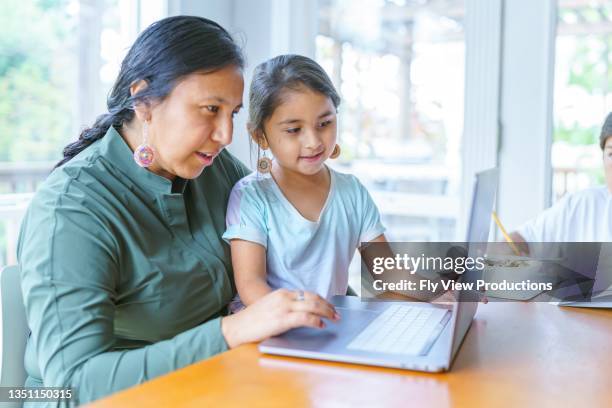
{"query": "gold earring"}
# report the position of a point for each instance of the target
(335, 152)
(264, 164)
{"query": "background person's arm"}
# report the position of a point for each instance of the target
(520, 242)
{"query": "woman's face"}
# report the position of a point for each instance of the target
(301, 132)
(191, 126)
(607, 161)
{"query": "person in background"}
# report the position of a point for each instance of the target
(584, 216)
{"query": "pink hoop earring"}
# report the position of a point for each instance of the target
(144, 154)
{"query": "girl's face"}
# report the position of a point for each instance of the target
(607, 161)
(191, 126)
(301, 133)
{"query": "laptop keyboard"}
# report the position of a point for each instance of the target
(402, 329)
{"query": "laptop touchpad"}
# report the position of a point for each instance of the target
(306, 338)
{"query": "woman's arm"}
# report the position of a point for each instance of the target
(70, 279)
(249, 263)
(276, 313)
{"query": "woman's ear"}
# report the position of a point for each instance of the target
(141, 109)
(259, 138)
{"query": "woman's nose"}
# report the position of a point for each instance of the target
(223, 132)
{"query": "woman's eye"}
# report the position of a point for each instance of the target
(292, 130)
(325, 123)
(212, 108)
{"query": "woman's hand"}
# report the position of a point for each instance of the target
(275, 313)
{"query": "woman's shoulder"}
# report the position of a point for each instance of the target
(82, 188)
(74, 178)
(68, 199)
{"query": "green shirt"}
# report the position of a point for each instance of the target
(124, 273)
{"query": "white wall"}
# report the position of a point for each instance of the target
(216, 10)
(483, 29)
(526, 109)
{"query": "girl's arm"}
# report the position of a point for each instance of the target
(394, 275)
(249, 263)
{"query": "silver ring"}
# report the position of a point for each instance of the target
(300, 295)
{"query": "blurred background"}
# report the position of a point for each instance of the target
(433, 90)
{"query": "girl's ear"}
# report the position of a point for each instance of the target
(141, 109)
(259, 138)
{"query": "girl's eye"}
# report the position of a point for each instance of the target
(212, 108)
(292, 130)
(325, 123)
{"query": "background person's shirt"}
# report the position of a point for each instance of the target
(585, 216)
(304, 254)
(124, 273)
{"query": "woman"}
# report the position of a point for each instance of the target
(124, 272)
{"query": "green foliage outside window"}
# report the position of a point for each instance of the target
(37, 75)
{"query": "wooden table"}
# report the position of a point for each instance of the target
(515, 354)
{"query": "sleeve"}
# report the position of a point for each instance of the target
(246, 216)
(69, 272)
(371, 226)
(549, 225)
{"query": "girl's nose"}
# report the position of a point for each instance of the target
(312, 140)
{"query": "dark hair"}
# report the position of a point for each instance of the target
(606, 131)
(273, 77)
(163, 53)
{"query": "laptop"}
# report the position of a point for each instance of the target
(408, 335)
(592, 260)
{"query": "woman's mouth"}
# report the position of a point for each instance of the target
(206, 158)
(312, 158)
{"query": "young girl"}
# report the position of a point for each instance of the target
(295, 223)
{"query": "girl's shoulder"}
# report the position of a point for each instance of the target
(253, 182)
(346, 183)
(255, 186)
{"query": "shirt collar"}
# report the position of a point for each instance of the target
(114, 148)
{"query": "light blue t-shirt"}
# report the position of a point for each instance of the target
(303, 254)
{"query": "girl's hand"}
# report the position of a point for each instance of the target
(275, 313)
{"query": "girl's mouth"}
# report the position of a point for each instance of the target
(314, 158)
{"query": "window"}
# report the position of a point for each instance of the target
(399, 66)
(58, 59)
(583, 93)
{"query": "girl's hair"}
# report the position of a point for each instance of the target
(162, 54)
(279, 74)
